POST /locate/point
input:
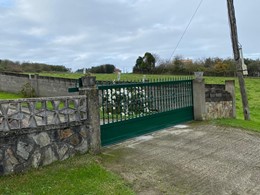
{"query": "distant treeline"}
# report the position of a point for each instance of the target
(210, 66)
(10, 66)
(149, 64)
(105, 68)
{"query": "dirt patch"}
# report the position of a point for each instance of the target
(194, 159)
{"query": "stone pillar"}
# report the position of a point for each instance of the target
(230, 87)
(90, 90)
(199, 100)
(35, 85)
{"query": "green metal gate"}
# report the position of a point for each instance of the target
(129, 110)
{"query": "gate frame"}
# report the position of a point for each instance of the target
(109, 132)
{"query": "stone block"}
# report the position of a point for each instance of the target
(75, 140)
(10, 161)
(83, 131)
(218, 95)
(41, 139)
(24, 150)
(88, 81)
(49, 156)
(83, 147)
(36, 159)
(62, 151)
(212, 95)
(1, 155)
(65, 133)
(2, 169)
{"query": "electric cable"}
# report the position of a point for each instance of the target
(184, 32)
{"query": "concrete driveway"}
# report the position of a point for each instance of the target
(192, 159)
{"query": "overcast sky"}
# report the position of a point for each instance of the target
(85, 33)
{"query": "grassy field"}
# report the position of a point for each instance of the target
(111, 77)
(78, 175)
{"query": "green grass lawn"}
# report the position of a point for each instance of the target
(79, 175)
(5, 95)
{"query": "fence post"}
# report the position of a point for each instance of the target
(90, 90)
(199, 100)
(36, 85)
(230, 87)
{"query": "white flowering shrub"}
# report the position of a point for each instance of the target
(125, 101)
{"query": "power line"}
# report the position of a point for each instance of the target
(192, 17)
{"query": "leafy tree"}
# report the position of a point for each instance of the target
(80, 70)
(8, 65)
(221, 68)
(148, 61)
(144, 64)
(40, 67)
(209, 62)
(105, 68)
(178, 63)
(231, 66)
(139, 62)
(253, 67)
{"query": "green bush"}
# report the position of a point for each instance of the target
(28, 91)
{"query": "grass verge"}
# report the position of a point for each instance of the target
(79, 175)
(238, 123)
(6, 95)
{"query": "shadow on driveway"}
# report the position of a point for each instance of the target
(192, 159)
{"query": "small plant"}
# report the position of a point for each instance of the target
(28, 91)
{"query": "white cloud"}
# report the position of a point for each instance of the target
(34, 31)
(69, 40)
(87, 33)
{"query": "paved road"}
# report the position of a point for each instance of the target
(193, 159)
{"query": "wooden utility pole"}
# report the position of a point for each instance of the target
(234, 38)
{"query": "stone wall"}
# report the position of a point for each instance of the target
(216, 110)
(38, 131)
(53, 86)
(219, 102)
(44, 86)
(33, 149)
(213, 101)
(10, 82)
